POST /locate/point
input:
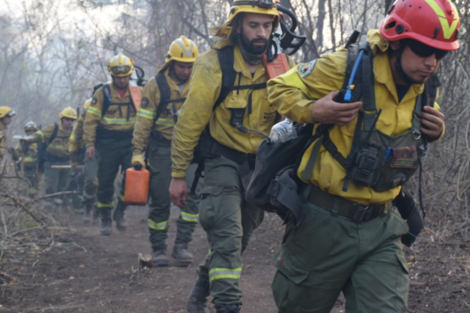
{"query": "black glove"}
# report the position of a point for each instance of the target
(138, 166)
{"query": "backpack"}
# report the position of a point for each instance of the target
(274, 185)
(229, 75)
(42, 148)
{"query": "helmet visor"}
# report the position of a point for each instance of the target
(120, 70)
(423, 50)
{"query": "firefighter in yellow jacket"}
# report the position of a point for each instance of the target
(228, 152)
(6, 113)
(56, 139)
(29, 157)
(90, 167)
(162, 98)
(109, 124)
(350, 239)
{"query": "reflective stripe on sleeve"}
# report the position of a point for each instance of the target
(165, 122)
(94, 111)
(119, 121)
(189, 217)
(225, 273)
(158, 226)
(146, 113)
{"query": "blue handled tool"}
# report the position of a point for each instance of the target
(348, 95)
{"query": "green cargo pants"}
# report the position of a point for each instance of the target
(56, 179)
(329, 253)
(113, 152)
(90, 172)
(159, 207)
(228, 226)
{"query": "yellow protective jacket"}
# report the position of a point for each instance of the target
(148, 110)
(294, 96)
(118, 118)
(76, 141)
(59, 147)
(30, 154)
(3, 140)
(196, 112)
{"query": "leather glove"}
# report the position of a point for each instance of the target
(138, 161)
(74, 165)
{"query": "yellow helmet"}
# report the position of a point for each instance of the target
(87, 104)
(30, 126)
(181, 50)
(68, 112)
(6, 111)
(120, 66)
(268, 7)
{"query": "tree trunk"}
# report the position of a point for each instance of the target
(320, 21)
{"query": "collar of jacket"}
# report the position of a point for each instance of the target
(240, 67)
(382, 70)
(2, 126)
(113, 89)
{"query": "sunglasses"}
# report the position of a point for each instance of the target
(69, 119)
(423, 50)
(117, 70)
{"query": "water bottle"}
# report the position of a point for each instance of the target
(283, 131)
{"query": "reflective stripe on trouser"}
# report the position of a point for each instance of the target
(113, 152)
(159, 207)
(328, 254)
(90, 172)
(228, 228)
(56, 179)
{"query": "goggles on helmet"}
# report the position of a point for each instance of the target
(423, 50)
(118, 70)
(30, 127)
(11, 113)
(260, 3)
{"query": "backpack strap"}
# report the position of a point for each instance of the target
(136, 96)
(226, 60)
(107, 99)
(54, 134)
(229, 75)
(165, 96)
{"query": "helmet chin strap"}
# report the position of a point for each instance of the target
(398, 53)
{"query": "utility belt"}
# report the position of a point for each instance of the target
(156, 140)
(209, 148)
(356, 212)
(54, 158)
(102, 132)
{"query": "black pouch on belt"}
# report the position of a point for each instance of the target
(408, 211)
(284, 196)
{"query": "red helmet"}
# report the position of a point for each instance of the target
(435, 23)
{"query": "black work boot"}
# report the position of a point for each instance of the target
(160, 258)
(106, 228)
(89, 203)
(229, 308)
(118, 216)
(181, 253)
(198, 296)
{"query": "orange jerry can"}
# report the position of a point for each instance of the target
(137, 186)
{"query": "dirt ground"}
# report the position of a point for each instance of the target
(81, 271)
